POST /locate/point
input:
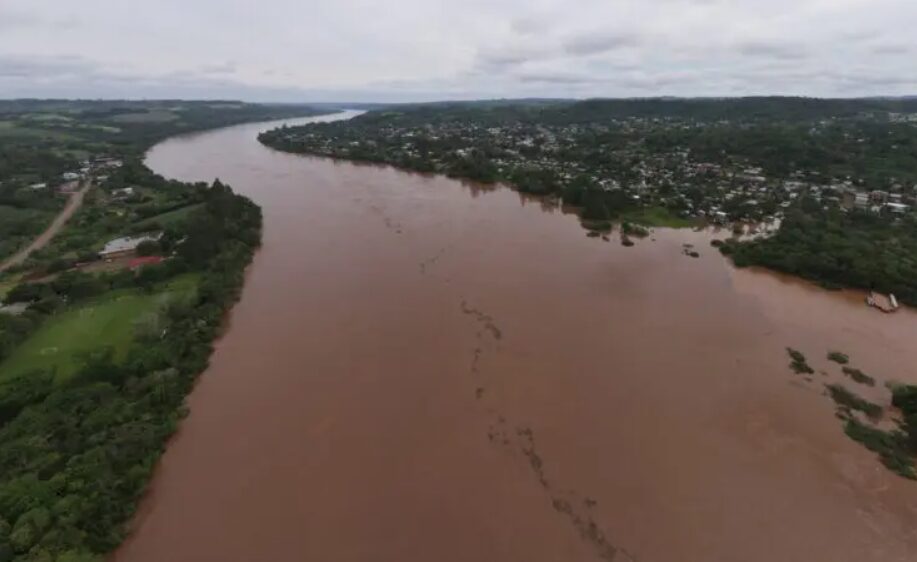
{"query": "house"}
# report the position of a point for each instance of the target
(139, 262)
(108, 162)
(37, 186)
(120, 247)
(69, 187)
(878, 197)
(123, 193)
(897, 208)
(14, 309)
(70, 176)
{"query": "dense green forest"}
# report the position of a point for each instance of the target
(76, 452)
(124, 124)
(42, 139)
(836, 249)
(597, 111)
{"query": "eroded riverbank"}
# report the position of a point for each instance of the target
(421, 369)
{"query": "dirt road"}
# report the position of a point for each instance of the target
(42, 240)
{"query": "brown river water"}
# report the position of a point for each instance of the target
(422, 370)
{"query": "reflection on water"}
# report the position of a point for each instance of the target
(421, 369)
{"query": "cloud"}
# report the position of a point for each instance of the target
(43, 67)
(558, 78)
(597, 43)
(775, 50)
(892, 49)
(13, 19)
(426, 49)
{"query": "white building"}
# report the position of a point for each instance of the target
(126, 245)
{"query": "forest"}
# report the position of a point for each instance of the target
(837, 249)
(76, 452)
(42, 139)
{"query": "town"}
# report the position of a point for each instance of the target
(668, 162)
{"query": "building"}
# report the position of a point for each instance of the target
(878, 197)
(122, 193)
(126, 246)
(139, 262)
(69, 187)
(14, 309)
(897, 208)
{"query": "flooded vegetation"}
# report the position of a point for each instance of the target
(425, 369)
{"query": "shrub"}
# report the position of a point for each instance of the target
(798, 362)
(859, 376)
(848, 401)
(838, 357)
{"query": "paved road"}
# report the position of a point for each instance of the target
(42, 240)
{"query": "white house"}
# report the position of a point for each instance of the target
(126, 245)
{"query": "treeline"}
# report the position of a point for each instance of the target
(42, 139)
(827, 139)
(876, 153)
(570, 112)
(838, 249)
(134, 125)
(75, 456)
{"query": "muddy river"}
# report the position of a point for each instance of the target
(423, 370)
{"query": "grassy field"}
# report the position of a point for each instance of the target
(10, 215)
(18, 226)
(658, 216)
(11, 130)
(7, 284)
(110, 321)
(153, 116)
(168, 218)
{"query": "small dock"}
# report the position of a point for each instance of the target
(887, 304)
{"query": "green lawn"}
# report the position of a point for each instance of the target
(169, 218)
(110, 321)
(153, 116)
(11, 130)
(658, 216)
(18, 226)
(15, 214)
(7, 284)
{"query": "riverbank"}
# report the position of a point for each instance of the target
(95, 387)
(467, 362)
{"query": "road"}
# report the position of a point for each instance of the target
(42, 240)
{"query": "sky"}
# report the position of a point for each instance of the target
(421, 50)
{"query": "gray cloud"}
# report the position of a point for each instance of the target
(892, 49)
(12, 19)
(557, 78)
(597, 43)
(774, 50)
(289, 50)
(42, 67)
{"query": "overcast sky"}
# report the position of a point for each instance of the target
(409, 50)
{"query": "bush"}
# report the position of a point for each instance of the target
(798, 362)
(848, 401)
(859, 376)
(891, 446)
(838, 357)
